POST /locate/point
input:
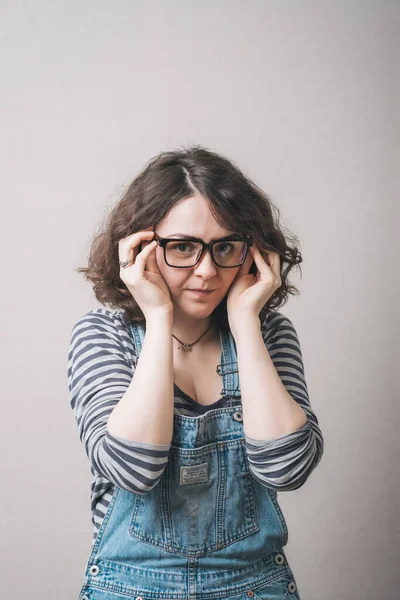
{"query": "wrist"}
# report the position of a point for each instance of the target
(160, 316)
(244, 324)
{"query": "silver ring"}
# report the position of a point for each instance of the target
(125, 263)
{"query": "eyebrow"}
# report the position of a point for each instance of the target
(185, 235)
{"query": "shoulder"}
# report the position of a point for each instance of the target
(105, 325)
(109, 321)
(276, 325)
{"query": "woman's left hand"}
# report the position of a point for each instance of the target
(248, 293)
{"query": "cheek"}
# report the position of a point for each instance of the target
(229, 278)
(162, 267)
(174, 278)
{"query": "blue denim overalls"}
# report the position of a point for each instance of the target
(208, 530)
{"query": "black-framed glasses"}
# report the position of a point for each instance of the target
(183, 253)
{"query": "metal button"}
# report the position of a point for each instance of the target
(238, 416)
(139, 598)
(250, 594)
(292, 587)
(94, 570)
(279, 559)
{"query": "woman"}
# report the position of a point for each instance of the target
(184, 493)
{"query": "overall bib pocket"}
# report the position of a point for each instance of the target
(204, 501)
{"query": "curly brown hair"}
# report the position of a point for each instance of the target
(235, 202)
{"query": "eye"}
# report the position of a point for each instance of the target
(220, 247)
(179, 245)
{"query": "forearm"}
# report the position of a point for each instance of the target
(145, 412)
(269, 411)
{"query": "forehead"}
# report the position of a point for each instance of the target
(192, 217)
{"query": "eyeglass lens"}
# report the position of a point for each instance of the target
(186, 253)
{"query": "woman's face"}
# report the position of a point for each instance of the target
(192, 217)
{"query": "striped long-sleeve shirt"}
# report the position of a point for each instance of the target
(101, 363)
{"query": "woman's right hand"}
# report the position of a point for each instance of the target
(143, 278)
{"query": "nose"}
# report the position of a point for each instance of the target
(206, 267)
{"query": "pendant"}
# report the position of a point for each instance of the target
(186, 347)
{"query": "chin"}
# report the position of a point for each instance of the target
(200, 310)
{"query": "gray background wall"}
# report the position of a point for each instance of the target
(304, 96)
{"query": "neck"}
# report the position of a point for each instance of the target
(188, 329)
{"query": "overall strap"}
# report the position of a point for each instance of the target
(229, 366)
(138, 331)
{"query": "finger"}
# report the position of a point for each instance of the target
(128, 246)
(134, 238)
(143, 256)
(246, 266)
(262, 265)
(151, 263)
(272, 261)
